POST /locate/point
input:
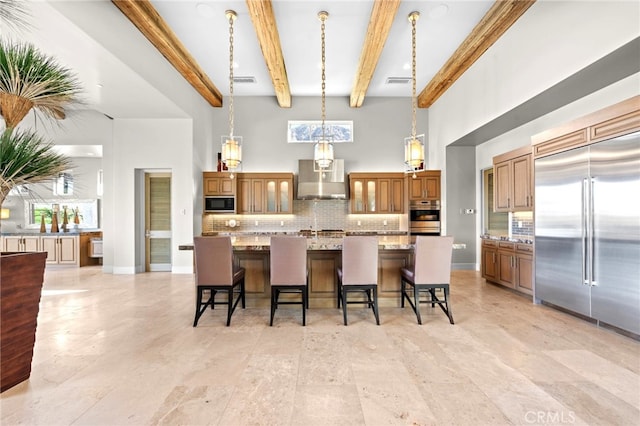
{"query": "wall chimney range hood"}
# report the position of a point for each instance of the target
(327, 185)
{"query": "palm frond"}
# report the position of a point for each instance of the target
(26, 158)
(14, 13)
(27, 73)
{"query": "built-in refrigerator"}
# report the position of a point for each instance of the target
(587, 231)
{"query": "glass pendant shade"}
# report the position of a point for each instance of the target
(323, 154)
(232, 151)
(414, 152)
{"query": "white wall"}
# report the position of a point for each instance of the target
(550, 42)
(380, 127)
(148, 145)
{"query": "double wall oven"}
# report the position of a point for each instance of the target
(424, 217)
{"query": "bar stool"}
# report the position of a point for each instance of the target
(431, 271)
(359, 272)
(215, 272)
(288, 272)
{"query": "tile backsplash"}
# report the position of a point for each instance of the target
(522, 224)
(308, 214)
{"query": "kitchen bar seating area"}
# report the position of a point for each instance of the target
(350, 264)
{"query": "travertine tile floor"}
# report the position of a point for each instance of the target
(120, 349)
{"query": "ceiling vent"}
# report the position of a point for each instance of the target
(398, 80)
(245, 79)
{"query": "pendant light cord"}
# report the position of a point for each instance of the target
(413, 17)
(231, 15)
(323, 17)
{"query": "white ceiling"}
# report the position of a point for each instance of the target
(203, 28)
(61, 28)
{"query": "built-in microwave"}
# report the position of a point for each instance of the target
(219, 204)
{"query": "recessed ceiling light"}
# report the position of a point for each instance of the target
(204, 10)
(439, 11)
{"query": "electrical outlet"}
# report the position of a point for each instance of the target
(519, 224)
(359, 223)
(256, 223)
(282, 223)
(384, 222)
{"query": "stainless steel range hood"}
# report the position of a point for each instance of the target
(314, 185)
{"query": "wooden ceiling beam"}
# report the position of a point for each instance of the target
(495, 22)
(383, 13)
(264, 23)
(149, 22)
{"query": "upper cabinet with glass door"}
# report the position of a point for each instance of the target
(279, 193)
(373, 193)
(265, 193)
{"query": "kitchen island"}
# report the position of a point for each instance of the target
(324, 255)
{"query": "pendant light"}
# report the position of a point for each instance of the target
(323, 150)
(414, 144)
(231, 144)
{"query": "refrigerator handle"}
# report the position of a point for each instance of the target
(585, 232)
(592, 235)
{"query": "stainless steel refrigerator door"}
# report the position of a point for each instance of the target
(615, 180)
(560, 231)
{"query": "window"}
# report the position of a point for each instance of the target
(83, 213)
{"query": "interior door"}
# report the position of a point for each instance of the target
(157, 222)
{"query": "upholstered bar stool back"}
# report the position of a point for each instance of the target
(359, 272)
(215, 273)
(288, 272)
(430, 272)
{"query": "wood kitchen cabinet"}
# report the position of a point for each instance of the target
(524, 268)
(372, 193)
(265, 193)
(279, 194)
(425, 186)
(391, 195)
(389, 264)
(509, 264)
(513, 186)
(489, 259)
(27, 243)
(506, 264)
(256, 265)
(84, 248)
(218, 183)
(61, 250)
(363, 191)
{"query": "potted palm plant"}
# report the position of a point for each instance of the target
(28, 79)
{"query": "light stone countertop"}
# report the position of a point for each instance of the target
(261, 242)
